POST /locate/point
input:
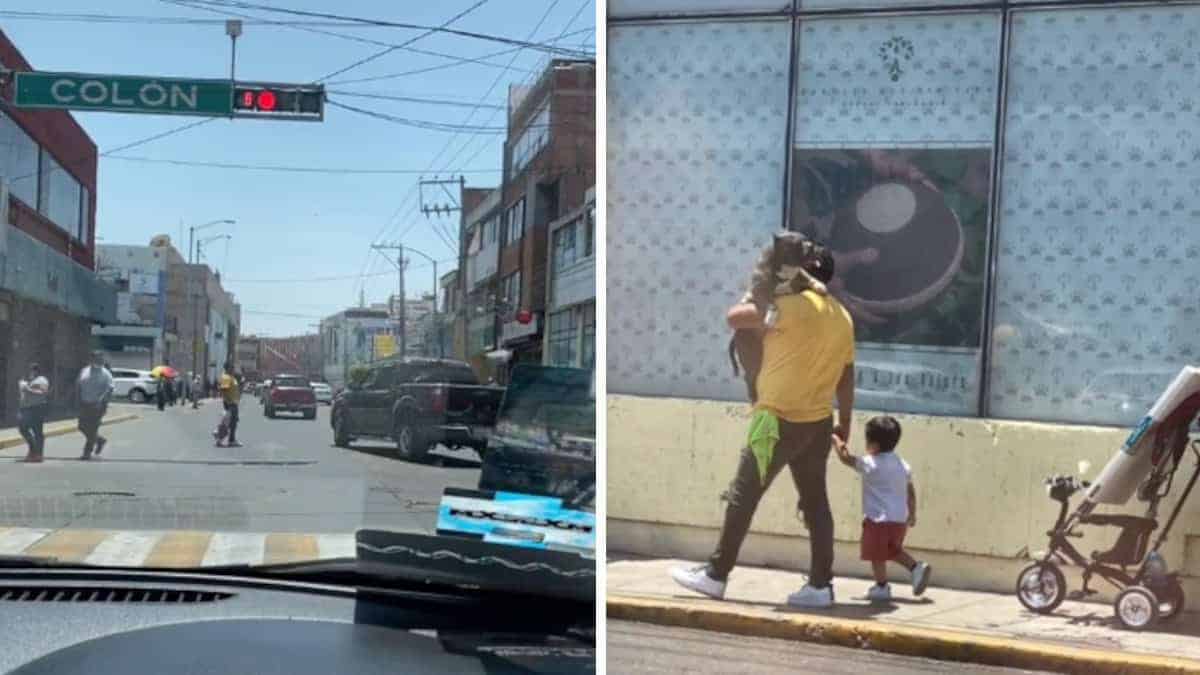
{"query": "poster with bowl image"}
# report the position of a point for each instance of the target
(908, 228)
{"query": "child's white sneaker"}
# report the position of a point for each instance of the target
(920, 577)
(810, 597)
(880, 593)
(697, 579)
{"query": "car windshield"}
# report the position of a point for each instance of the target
(560, 399)
(256, 267)
(291, 382)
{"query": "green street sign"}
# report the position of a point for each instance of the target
(122, 93)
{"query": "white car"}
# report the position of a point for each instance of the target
(323, 391)
(135, 385)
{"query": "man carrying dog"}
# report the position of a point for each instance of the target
(808, 357)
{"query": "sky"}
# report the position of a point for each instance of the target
(293, 227)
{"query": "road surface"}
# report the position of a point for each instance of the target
(162, 474)
(647, 648)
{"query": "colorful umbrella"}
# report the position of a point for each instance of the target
(164, 371)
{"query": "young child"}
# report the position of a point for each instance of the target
(889, 506)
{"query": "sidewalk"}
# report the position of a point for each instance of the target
(947, 625)
(11, 438)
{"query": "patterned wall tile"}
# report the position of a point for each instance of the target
(1098, 246)
(697, 122)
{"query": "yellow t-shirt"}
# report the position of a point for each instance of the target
(804, 355)
(230, 391)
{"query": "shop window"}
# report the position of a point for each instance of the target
(895, 118)
(697, 145)
(1097, 252)
(19, 161)
(59, 195)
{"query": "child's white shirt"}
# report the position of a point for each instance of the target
(885, 479)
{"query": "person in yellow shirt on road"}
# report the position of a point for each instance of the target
(808, 358)
(231, 396)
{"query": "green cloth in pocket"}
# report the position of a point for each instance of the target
(764, 434)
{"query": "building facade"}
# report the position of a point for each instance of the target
(353, 337)
(141, 338)
(298, 355)
(249, 358)
(549, 164)
(206, 319)
(50, 296)
(479, 258)
(570, 336)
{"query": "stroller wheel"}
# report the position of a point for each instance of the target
(1136, 608)
(1041, 587)
(1170, 601)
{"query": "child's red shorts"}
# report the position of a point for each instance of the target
(882, 541)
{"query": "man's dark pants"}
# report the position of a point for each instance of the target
(233, 421)
(90, 415)
(804, 449)
(30, 422)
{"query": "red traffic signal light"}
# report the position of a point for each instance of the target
(279, 101)
(524, 317)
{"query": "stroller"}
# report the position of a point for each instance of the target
(1145, 465)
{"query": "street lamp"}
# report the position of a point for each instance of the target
(199, 253)
(436, 321)
(193, 228)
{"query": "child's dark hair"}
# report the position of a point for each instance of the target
(884, 432)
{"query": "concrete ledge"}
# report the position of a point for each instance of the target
(62, 429)
(941, 645)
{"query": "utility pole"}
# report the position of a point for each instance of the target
(439, 208)
(399, 249)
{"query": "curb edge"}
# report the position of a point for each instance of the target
(942, 645)
(63, 431)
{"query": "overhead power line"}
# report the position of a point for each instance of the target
(418, 38)
(149, 20)
(455, 59)
(412, 99)
(536, 46)
(285, 169)
(346, 277)
(420, 124)
(459, 61)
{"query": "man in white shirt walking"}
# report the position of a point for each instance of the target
(95, 390)
(35, 399)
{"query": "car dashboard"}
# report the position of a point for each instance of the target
(118, 622)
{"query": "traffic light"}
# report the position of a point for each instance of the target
(279, 101)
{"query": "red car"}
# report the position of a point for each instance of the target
(293, 394)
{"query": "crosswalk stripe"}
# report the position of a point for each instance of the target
(235, 548)
(14, 541)
(68, 545)
(179, 549)
(283, 548)
(124, 549)
(335, 546)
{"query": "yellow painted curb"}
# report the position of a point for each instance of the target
(942, 645)
(14, 441)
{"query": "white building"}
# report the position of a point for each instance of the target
(140, 339)
(348, 339)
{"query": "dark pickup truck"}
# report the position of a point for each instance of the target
(418, 403)
(544, 442)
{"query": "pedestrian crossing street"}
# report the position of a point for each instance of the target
(174, 548)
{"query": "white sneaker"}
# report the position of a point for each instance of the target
(812, 597)
(920, 577)
(697, 579)
(880, 593)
